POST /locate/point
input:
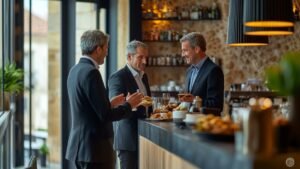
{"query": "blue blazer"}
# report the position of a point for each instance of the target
(209, 85)
(92, 116)
(126, 130)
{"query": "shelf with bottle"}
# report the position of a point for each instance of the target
(168, 60)
(162, 41)
(163, 35)
(168, 66)
(167, 10)
(180, 19)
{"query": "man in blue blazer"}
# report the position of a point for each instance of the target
(90, 140)
(130, 79)
(204, 78)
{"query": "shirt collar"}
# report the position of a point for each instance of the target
(135, 72)
(91, 59)
(199, 65)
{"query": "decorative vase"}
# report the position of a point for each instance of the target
(6, 101)
(43, 160)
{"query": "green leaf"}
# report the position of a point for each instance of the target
(285, 76)
(13, 78)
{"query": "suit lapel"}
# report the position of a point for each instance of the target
(200, 75)
(187, 80)
(146, 84)
(131, 79)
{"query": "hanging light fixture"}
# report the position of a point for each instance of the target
(268, 13)
(268, 31)
(236, 36)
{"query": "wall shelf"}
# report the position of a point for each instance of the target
(165, 19)
(179, 66)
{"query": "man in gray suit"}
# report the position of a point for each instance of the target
(204, 78)
(89, 144)
(129, 79)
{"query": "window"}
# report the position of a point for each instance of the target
(42, 62)
(1, 53)
(84, 12)
(42, 78)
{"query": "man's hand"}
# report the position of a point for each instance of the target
(117, 100)
(185, 97)
(134, 99)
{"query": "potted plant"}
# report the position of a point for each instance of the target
(43, 151)
(11, 80)
(285, 78)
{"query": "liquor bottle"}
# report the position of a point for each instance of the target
(196, 106)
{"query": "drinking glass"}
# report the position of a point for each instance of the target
(165, 98)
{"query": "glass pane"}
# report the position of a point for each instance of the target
(102, 21)
(1, 52)
(84, 12)
(45, 79)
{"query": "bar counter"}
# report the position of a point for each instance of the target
(163, 146)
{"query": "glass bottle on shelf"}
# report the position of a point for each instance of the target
(174, 60)
(184, 32)
(200, 12)
(168, 60)
(194, 13)
(149, 61)
(184, 13)
(169, 35)
(154, 61)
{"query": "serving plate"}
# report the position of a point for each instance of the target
(158, 119)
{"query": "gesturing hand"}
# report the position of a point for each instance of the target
(117, 100)
(134, 99)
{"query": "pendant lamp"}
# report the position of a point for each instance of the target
(268, 13)
(236, 36)
(268, 31)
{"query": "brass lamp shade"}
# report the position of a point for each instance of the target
(268, 13)
(267, 31)
(236, 36)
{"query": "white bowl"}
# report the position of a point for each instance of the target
(192, 118)
(179, 114)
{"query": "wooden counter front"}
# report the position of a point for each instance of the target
(153, 156)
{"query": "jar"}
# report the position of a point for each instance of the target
(258, 128)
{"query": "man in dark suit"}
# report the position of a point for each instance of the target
(204, 78)
(90, 140)
(130, 79)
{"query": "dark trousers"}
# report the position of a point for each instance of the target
(128, 159)
(88, 165)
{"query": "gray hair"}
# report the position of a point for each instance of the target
(91, 39)
(195, 39)
(133, 45)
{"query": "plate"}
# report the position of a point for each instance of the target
(166, 120)
(216, 137)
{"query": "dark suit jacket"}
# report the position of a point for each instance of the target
(125, 130)
(91, 130)
(209, 84)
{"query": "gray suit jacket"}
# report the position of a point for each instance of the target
(92, 116)
(125, 130)
(209, 85)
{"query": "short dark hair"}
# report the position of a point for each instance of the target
(195, 39)
(91, 39)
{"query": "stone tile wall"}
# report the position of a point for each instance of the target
(238, 63)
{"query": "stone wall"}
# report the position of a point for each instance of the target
(238, 63)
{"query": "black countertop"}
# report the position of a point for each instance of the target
(204, 153)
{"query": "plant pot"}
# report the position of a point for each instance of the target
(6, 103)
(295, 120)
(43, 160)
